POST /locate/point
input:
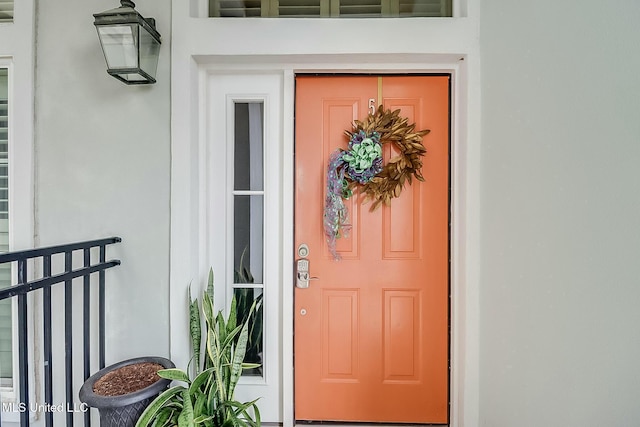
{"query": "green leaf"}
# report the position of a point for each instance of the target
(225, 345)
(186, 416)
(210, 288)
(238, 356)
(221, 330)
(243, 275)
(207, 308)
(239, 413)
(154, 407)
(164, 418)
(213, 348)
(195, 328)
(202, 419)
(200, 380)
(231, 322)
(174, 374)
(212, 404)
(200, 407)
(254, 346)
(246, 365)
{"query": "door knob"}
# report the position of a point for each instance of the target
(302, 274)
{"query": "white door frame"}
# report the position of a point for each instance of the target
(217, 183)
(187, 255)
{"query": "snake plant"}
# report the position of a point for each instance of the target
(207, 399)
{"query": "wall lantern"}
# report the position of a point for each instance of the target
(130, 44)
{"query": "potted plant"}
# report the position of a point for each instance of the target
(123, 390)
(207, 398)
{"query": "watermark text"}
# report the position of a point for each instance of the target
(44, 407)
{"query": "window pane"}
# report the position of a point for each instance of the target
(248, 154)
(5, 269)
(245, 298)
(248, 239)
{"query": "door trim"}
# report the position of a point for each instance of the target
(187, 125)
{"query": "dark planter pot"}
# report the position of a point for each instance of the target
(123, 411)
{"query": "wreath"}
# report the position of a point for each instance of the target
(361, 164)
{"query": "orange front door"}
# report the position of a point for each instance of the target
(371, 334)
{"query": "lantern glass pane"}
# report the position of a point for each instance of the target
(119, 43)
(132, 77)
(149, 52)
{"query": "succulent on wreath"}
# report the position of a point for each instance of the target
(362, 165)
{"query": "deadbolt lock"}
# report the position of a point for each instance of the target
(303, 250)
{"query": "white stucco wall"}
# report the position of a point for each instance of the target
(559, 290)
(102, 152)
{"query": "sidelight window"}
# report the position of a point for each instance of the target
(248, 218)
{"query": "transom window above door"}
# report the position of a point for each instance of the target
(6, 11)
(329, 8)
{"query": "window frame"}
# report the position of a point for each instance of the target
(8, 393)
(459, 8)
(17, 51)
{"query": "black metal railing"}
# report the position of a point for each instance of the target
(43, 258)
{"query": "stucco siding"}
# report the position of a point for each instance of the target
(559, 341)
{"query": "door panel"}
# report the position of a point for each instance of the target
(371, 334)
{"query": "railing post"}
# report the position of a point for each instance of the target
(47, 336)
(86, 301)
(68, 336)
(23, 349)
(101, 309)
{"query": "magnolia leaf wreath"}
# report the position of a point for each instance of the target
(361, 165)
